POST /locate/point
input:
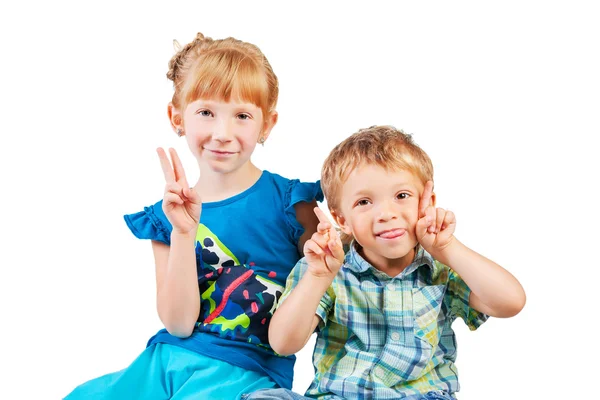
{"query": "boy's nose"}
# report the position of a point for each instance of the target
(386, 211)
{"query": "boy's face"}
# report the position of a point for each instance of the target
(380, 209)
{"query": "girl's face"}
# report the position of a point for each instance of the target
(223, 135)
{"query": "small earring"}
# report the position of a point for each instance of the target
(179, 132)
(261, 141)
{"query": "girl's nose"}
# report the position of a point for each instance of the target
(222, 132)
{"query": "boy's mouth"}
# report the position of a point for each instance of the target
(391, 233)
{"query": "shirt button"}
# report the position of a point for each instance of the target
(379, 372)
(391, 287)
(395, 336)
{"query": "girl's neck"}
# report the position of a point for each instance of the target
(215, 186)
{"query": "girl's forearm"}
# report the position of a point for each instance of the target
(179, 298)
(293, 322)
(500, 292)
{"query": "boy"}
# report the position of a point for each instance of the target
(384, 319)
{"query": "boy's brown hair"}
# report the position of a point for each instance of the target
(385, 146)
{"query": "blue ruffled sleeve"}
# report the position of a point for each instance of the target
(152, 223)
(297, 192)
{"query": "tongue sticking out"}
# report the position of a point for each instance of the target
(392, 234)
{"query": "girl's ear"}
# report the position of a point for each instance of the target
(268, 125)
(175, 118)
(341, 222)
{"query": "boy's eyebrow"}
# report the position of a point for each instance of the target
(361, 192)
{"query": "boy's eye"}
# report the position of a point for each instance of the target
(402, 196)
(243, 116)
(363, 202)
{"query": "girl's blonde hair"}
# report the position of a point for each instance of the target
(222, 69)
(385, 146)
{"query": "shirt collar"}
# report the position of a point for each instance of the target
(356, 263)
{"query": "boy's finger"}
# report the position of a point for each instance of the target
(430, 213)
(421, 228)
(321, 215)
(165, 164)
(425, 200)
(323, 227)
(449, 221)
(439, 219)
(311, 246)
(337, 250)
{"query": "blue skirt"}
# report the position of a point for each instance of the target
(164, 371)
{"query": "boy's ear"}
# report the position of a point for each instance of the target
(268, 125)
(175, 117)
(341, 222)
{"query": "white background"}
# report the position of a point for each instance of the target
(504, 97)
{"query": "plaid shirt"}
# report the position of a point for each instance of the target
(387, 338)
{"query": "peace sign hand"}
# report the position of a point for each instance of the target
(435, 228)
(323, 251)
(181, 205)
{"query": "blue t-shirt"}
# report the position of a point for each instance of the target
(246, 246)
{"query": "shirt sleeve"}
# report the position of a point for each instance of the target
(151, 223)
(325, 304)
(459, 293)
(297, 192)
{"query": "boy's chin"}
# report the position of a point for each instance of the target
(395, 253)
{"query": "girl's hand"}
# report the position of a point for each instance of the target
(435, 228)
(181, 205)
(323, 251)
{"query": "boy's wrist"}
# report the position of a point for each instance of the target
(450, 253)
(318, 281)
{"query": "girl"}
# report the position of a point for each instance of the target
(222, 247)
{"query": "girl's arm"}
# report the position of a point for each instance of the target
(309, 221)
(177, 295)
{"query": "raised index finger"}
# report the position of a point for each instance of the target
(425, 200)
(321, 215)
(165, 164)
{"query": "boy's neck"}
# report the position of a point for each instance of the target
(214, 186)
(390, 267)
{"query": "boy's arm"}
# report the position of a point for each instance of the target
(494, 291)
(295, 318)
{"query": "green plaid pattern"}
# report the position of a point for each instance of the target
(387, 338)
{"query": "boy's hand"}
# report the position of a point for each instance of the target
(323, 251)
(181, 205)
(435, 228)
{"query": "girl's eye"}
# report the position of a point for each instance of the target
(402, 196)
(205, 113)
(363, 202)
